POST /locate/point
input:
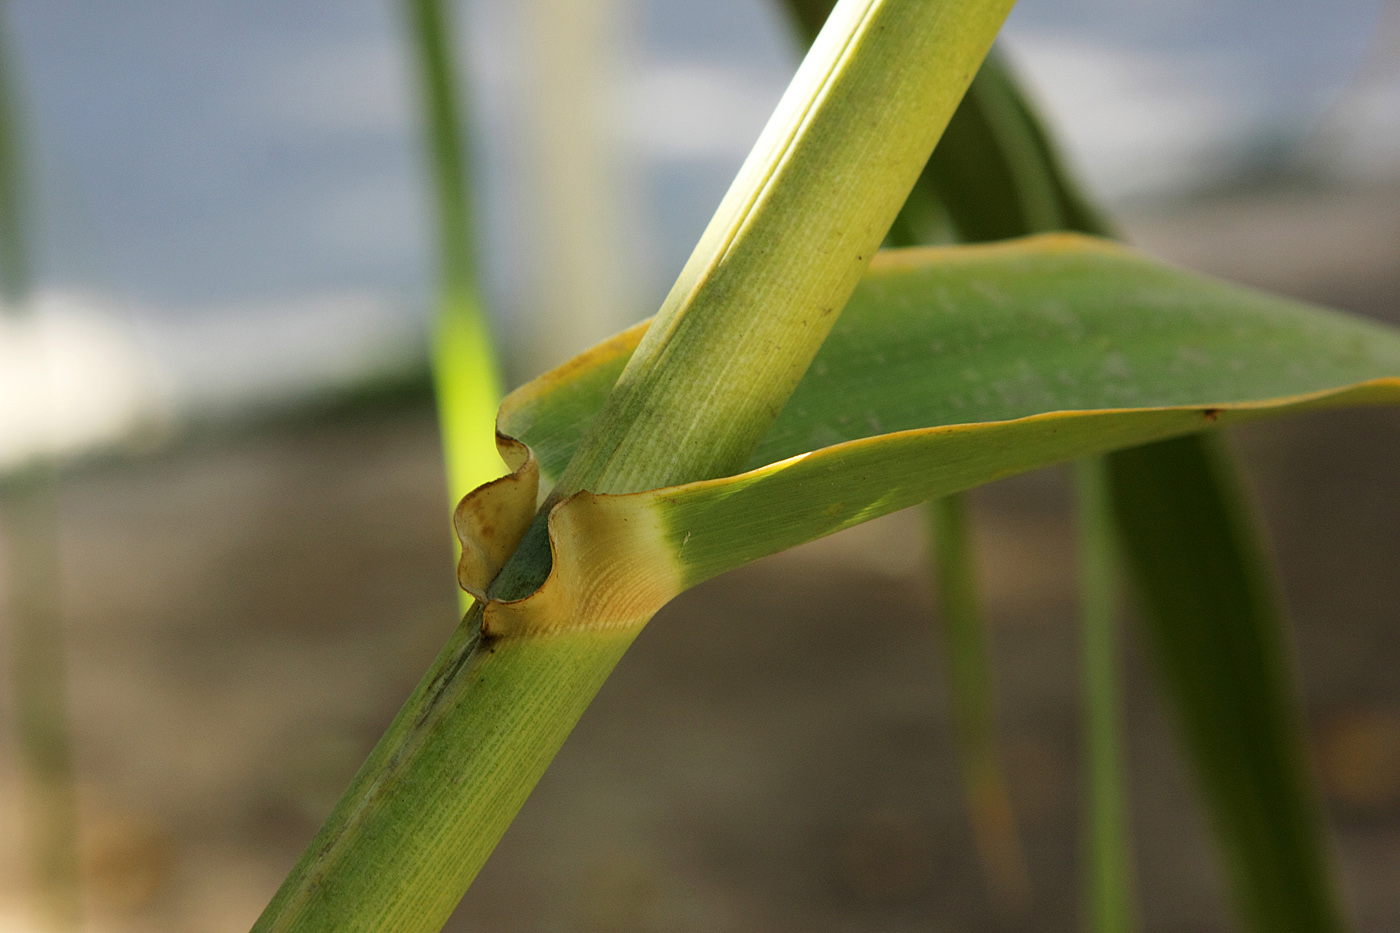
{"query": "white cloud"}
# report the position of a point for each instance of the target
(82, 372)
(229, 360)
(71, 379)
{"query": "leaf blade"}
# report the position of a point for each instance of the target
(972, 334)
(1259, 357)
(1222, 647)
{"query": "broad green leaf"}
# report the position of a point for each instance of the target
(1058, 325)
(952, 367)
(1223, 648)
(1074, 348)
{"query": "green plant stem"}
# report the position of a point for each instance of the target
(444, 782)
(973, 696)
(29, 518)
(14, 207)
(1110, 876)
(788, 244)
(39, 669)
(464, 366)
(752, 307)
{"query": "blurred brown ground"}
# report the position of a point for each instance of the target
(247, 612)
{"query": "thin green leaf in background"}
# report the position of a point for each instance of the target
(994, 176)
(1189, 464)
(29, 514)
(1109, 848)
(973, 701)
(14, 201)
(464, 363)
(1260, 867)
(982, 183)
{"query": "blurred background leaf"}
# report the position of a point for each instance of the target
(31, 608)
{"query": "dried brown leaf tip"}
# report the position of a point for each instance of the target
(491, 519)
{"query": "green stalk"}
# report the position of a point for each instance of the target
(28, 505)
(974, 708)
(40, 673)
(751, 308)
(464, 366)
(14, 209)
(1110, 858)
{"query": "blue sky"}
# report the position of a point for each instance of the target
(195, 153)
